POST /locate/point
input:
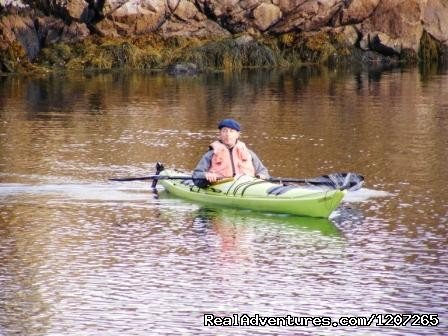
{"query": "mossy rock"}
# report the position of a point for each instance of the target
(408, 57)
(286, 40)
(13, 58)
(56, 55)
(101, 54)
(228, 54)
(155, 52)
(314, 48)
(430, 49)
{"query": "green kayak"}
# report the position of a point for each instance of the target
(247, 192)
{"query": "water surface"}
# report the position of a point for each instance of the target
(83, 256)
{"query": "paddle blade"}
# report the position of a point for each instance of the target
(126, 179)
(159, 168)
(343, 181)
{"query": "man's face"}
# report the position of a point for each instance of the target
(228, 136)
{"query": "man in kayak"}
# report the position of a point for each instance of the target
(227, 157)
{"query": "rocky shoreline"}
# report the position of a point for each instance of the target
(43, 35)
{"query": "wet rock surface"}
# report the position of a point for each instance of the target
(387, 27)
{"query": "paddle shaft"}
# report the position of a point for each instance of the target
(151, 177)
(166, 177)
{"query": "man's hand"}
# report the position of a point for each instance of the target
(212, 177)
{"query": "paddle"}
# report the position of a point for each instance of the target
(152, 177)
(341, 181)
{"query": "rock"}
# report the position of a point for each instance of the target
(357, 11)
(227, 13)
(204, 28)
(188, 21)
(21, 29)
(185, 10)
(219, 8)
(265, 15)
(380, 42)
(399, 21)
(75, 32)
(384, 44)
(391, 27)
(287, 6)
(68, 10)
(435, 19)
(376, 59)
(77, 10)
(364, 44)
(49, 29)
(349, 34)
(106, 28)
(183, 69)
(309, 16)
(172, 5)
(32, 35)
(250, 5)
(136, 17)
(12, 57)
(12, 4)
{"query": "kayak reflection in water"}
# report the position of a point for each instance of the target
(227, 157)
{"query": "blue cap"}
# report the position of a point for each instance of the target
(230, 123)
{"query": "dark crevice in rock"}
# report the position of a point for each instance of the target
(207, 11)
(96, 8)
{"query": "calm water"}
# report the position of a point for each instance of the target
(83, 256)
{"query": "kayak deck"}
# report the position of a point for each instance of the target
(247, 192)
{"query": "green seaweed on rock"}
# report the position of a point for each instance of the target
(430, 50)
(13, 59)
(229, 54)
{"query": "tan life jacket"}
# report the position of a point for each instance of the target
(222, 162)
